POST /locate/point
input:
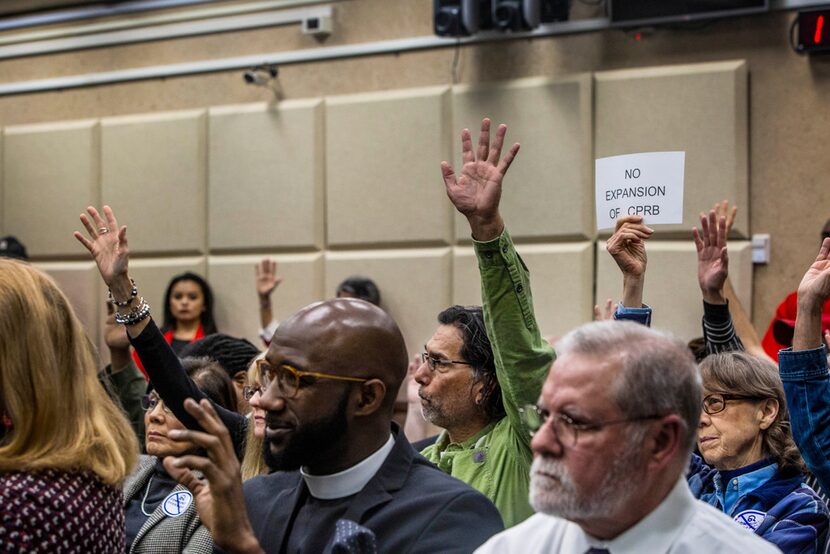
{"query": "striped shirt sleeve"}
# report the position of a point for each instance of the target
(718, 330)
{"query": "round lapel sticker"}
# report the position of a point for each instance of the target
(176, 503)
(751, 519)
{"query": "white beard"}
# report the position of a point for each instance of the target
(559, 495)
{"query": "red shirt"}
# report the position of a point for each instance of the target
(779, 334)
(168, 336)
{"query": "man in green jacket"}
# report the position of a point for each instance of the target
(472, 386)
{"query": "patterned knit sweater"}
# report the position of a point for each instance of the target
(59, 512)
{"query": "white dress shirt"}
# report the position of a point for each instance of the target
(679, 525)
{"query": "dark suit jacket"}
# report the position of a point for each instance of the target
(410, 505)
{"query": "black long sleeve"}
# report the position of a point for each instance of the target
(174, 386)
(718, 330)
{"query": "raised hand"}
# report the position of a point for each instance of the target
(627, 245)
(712, 257)
(628, 248)
(107, 243)
(606, 313)
(812, 293)
(476, 191)
(266, 277)
(722, 210)
(115, 336)
(815, 285)
(219, 499)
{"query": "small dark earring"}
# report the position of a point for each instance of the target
(7, 421)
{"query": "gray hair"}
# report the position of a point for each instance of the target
(658, 374)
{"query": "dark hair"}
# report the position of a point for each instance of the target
(212, 380)
(232, 354)
(206, 318)
(360, 287)
(10, 247)
(476, 350)
(697, 346)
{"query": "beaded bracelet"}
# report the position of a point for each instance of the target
(124, 304)
(139, 313)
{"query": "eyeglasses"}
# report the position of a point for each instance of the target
(248, 391)
(716, 403)
(567, 430)
(150, 401)
(290, 380)
(439, 364)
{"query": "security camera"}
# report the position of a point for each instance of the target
(320, 26)
(456, 18)
(261, 75)
(264, 76)
(517, 15)
(255, 78)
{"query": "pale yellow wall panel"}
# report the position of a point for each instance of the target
(561, 278)
(232, 279)
(548, 186)
(414, 285)
(671, 287)
(81, 283)
(265, 176)
(700, 109)
(50, 176)
(383, 176)
(153, 174)
(152, 276)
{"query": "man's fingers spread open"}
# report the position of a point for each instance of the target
(484, 140)
(467, 147)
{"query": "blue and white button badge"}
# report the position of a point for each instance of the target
(176, 503)
(750, 519)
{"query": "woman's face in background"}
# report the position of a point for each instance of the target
(187, 301)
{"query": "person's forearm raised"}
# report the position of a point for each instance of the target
(812, 293)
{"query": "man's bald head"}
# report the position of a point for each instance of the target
(350, 337)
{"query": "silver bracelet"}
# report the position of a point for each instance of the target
(114, 302)
(139, 313)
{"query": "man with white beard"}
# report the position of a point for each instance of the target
(612, 434)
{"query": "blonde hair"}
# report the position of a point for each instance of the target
(62, 418)
(253, 462)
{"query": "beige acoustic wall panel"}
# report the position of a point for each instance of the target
(548, 186)
(237, 305)
(81, 283)
(265, 176)
(383, 177)
(561, 277)
(701, 109)
(671, 287)
(2, 201)
(153, 174)
(414, 285)
(153, 275)
(50, 176)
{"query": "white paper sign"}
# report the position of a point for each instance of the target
(648, 184)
